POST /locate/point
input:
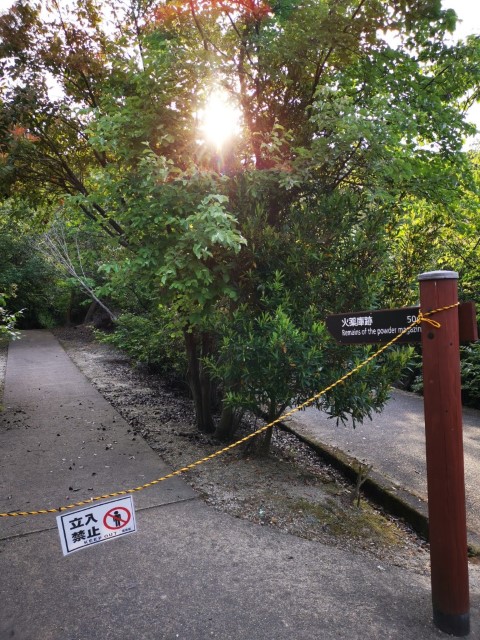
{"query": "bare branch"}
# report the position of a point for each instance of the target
(56, 247)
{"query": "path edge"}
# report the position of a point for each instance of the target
(397, 501)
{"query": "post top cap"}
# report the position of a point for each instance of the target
(439, 275)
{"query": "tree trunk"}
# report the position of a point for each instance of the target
(68, 312)
(199, 382)
(206, 386)
(263, 445)
(90, 311)
(230, 420)
(93, 308)
(224, 430)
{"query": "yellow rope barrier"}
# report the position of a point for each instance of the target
(422, 317)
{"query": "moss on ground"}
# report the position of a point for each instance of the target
(345, 520)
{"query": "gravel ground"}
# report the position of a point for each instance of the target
(292, 490)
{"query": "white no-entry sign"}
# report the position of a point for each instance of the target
(90, 525)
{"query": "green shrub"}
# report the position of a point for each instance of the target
(7, 321)
(470, 367)
(470, 375)
(153, 340)
(275, 358)
(35, 286)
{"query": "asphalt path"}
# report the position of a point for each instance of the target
(394, 443)
(189, 572)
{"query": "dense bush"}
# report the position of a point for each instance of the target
(276, 357)
(150, 339)
(470, 375)
(336, 160)
(7, 320)
(35, 286)
(470, 366)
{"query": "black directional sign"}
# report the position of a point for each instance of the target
(373, 327)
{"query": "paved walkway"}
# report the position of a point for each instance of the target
(394, 443)
(190, 572)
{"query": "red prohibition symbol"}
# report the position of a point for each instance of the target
(116, 517)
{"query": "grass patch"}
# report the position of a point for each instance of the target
(344, 520)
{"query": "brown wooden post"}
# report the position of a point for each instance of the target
(444, 444)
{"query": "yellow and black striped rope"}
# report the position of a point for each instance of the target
(422, 317)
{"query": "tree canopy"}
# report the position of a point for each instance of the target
(352, 125)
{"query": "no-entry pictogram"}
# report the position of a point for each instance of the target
(96, 523)
(117, 518)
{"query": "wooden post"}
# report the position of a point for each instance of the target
(444, 444)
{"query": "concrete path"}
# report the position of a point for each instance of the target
(189, 572)
(394, 443)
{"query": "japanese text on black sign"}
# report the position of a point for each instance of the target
(374, 326)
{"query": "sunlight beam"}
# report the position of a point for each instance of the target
(219, 120)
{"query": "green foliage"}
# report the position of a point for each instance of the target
(35, 287)
(368, 390)
(191, 270)
(429, 236)
(350, 150)
(267, 361)
(152, 339)
(470, 371)
(7, 319)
